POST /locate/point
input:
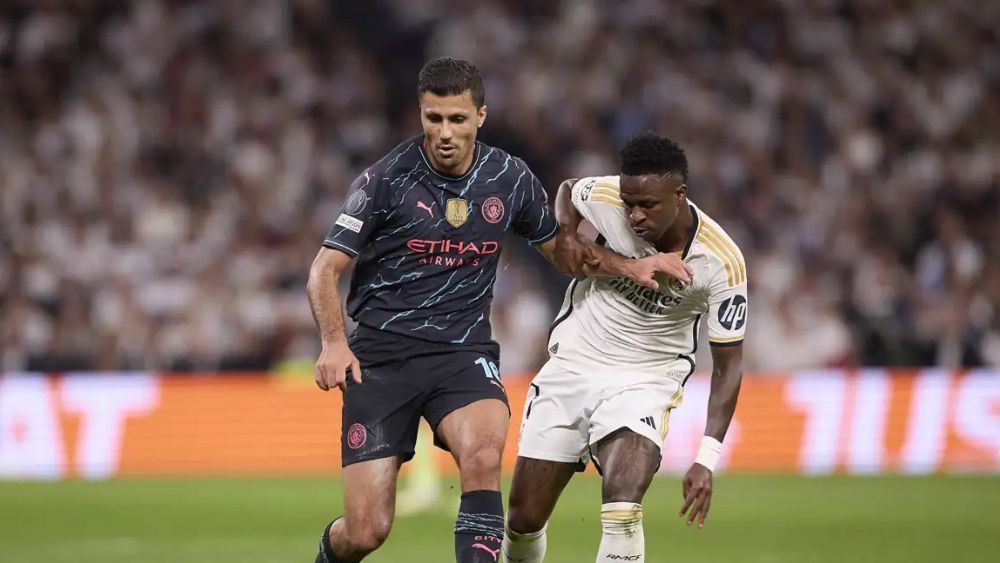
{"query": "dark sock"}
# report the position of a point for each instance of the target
(479, 527)
(326, 554)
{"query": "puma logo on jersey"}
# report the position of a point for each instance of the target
(426, 208)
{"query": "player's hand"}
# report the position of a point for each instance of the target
(572, 255)
(643, 270)
(697, 491)
(334, 361)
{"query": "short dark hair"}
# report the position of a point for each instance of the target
(446, 76)
(652, 153)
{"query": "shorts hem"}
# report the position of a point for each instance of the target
(438, 441)
(558, 458)
(595, 439)
(462, 404)
(406, 454)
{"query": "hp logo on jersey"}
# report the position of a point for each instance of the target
(733, 312)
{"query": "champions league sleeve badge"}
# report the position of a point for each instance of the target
(356, 203)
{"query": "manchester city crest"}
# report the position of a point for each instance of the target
(456, 211)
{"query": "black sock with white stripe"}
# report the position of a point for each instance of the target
(479, 527)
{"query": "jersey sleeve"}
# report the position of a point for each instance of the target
(360, 216)
(534, 219)
(599, 202)
(728, 309)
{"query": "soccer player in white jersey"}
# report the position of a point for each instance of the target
(620, 354)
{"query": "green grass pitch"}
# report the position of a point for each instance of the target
(940, 519)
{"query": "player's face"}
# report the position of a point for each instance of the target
(652, 202)
(450, 126)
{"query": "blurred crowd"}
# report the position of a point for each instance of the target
(168, 168)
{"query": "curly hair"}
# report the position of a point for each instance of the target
(652, 153)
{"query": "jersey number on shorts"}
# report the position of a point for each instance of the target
(491, 371)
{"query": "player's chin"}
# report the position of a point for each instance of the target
(448, 157)
(645, 234)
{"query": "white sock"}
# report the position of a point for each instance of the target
(622, 539)
(524, 548)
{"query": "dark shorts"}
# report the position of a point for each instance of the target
(403, 380)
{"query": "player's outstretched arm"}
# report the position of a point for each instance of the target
(324, 300)
(727, 374)
(574, 254)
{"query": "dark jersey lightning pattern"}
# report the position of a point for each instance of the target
(428, 244)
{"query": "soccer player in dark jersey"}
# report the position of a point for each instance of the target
(425, 224)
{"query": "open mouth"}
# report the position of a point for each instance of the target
(446, 150)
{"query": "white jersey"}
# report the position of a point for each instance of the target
(616, 323)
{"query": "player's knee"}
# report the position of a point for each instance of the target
(524, 520)
(366, 539)
(481, 463)
(622, 488)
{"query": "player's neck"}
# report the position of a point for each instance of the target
(458, 170)
(676, 237)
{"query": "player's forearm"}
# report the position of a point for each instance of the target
(606, 262)
(584, 257)
(324, 300)
(725, 391)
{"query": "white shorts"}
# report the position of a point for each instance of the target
(567, 411)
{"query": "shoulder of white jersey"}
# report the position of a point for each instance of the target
(713, 240)
(599, 189)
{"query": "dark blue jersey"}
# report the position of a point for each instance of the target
(427, 244)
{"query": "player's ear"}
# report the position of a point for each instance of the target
(482, 115)
(681, 192)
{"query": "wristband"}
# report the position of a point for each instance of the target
(709, 453)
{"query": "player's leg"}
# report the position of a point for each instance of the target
(627, 432)
(467, 408)
(476, 435)
(533, 494)
(369, 505)
(551, 446)
(380, 418)
(628, 463)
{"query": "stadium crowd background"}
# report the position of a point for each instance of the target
(169, 168)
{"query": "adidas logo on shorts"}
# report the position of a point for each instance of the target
(649, 420)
